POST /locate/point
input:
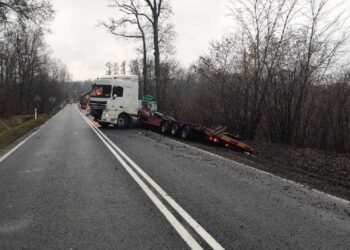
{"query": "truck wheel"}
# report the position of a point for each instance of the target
(165, 127)
(186, 132)
(123, 121)
(175, 130)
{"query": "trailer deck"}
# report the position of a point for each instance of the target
(187, 130)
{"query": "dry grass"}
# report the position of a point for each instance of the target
(14, 127)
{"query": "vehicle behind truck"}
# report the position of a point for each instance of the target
(114, 100)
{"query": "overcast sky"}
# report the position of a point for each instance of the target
(85, 48)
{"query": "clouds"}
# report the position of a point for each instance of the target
(85, 48)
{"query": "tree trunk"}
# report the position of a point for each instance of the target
(157, 61)
(145, 68)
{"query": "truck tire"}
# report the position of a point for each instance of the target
(186, 132)
(164, 128)
(175, 130)
(123, 121)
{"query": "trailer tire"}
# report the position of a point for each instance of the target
(123, 121)
(164, 128)
(175, 130)
(186, 132)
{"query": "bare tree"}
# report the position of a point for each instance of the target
(109, 66)
(263, 26)
(34, 10)
(276, 77)
(144, 13)
(134, 67)
(115, 68)
(123, 27)
(28, 71)
(123, 68)
(159, 9)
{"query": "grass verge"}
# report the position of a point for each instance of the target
(13, 133)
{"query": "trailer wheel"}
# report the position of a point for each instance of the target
(175, 130)
(165, 127)
(123, 121)
(186, 132)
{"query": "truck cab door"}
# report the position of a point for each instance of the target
(117, 95)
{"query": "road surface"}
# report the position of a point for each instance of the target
(72, 187)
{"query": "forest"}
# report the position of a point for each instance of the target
(280, 75)
(29, 77)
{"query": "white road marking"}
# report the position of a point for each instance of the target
(187, 217)
(18, 145)
(27, 139)
(194, 224)
(186, 236)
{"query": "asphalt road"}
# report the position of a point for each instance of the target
(72, 187)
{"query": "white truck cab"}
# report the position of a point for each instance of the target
(114, 100)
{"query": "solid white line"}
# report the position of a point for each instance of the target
(187, 217)
(27, 139)
(186, 236)
(15, 148)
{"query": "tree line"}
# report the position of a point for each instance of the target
(29, 77)
(279, 75)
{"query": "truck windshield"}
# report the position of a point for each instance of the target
(102, 91)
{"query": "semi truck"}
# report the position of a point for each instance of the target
(114, 100)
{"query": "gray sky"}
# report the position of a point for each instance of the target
(85, 48)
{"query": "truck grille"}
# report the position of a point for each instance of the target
(98, 104)
(97, 108)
